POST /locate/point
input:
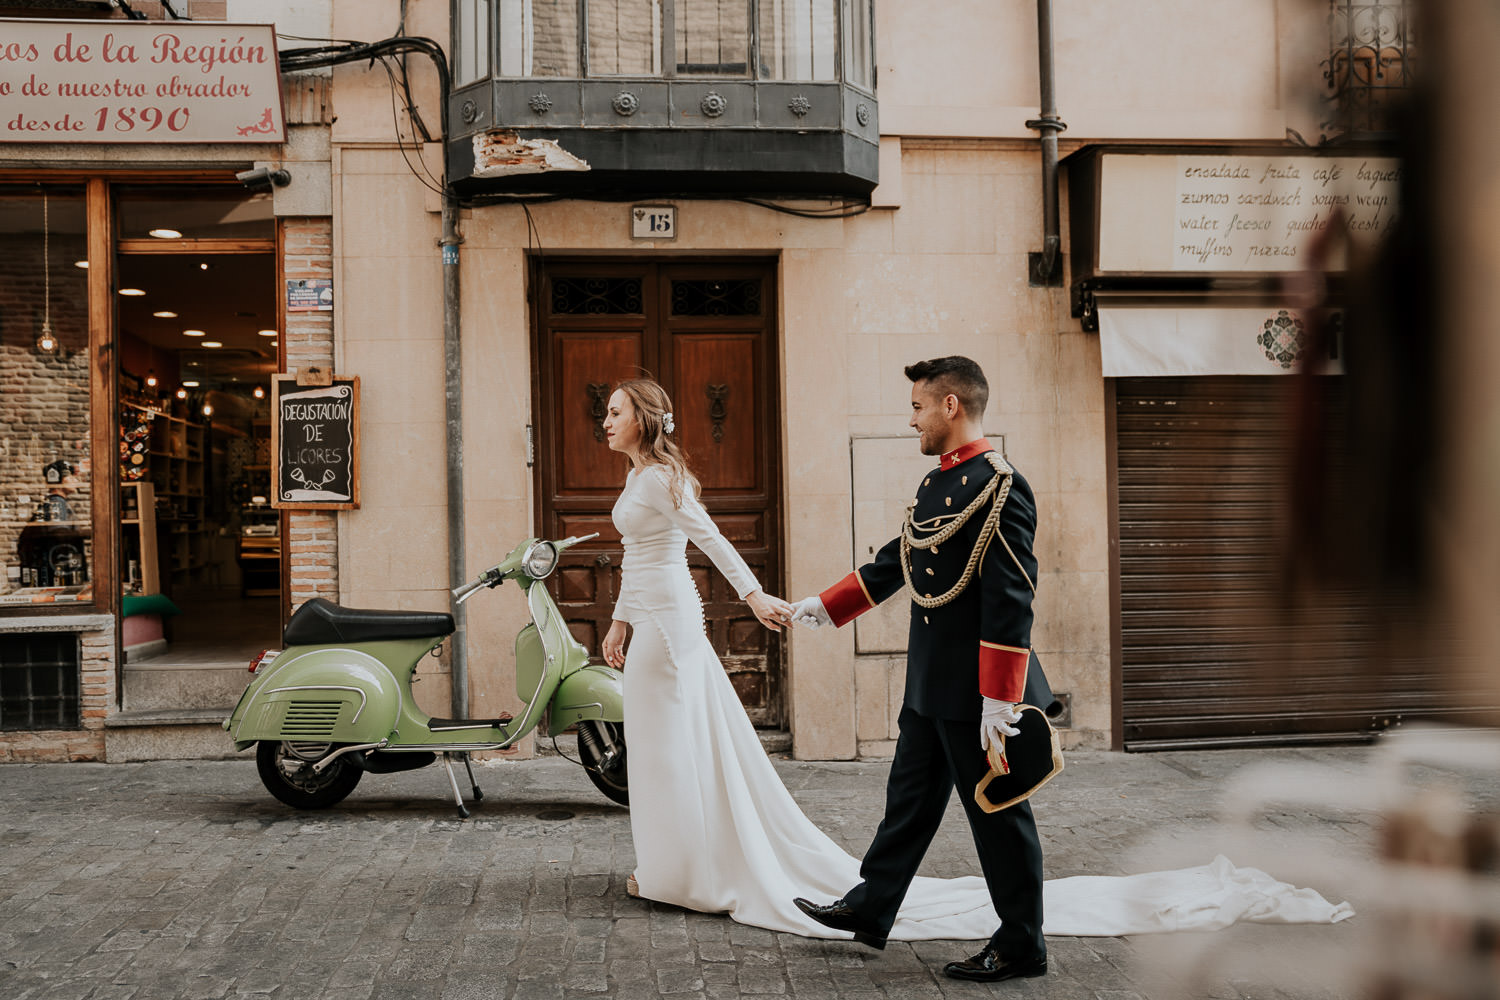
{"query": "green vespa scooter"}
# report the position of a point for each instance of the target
(337, 702)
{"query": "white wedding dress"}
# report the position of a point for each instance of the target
(715, 830)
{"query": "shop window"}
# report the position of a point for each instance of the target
(39, 681)
(169, 214)
(46, 544)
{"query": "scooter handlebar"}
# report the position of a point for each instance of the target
(493, 576)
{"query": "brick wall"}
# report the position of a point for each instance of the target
(97, 688)
(312, 537)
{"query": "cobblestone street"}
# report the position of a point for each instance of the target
(185, 879)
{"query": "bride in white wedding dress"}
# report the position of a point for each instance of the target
(715, 830)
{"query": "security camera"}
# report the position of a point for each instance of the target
(263, 178)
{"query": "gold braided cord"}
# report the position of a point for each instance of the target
(999, 488)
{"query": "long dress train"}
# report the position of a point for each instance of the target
(715, 829)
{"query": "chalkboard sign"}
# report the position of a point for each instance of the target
(315, 444)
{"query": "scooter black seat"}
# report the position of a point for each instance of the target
(320, 622)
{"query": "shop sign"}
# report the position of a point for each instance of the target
(315, 443)
(1253, 212)
(139, 81)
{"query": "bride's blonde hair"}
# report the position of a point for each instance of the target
(652, 406)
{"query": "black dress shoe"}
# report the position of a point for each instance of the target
(989, 967)
(841, 917)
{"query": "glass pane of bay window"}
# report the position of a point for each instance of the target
(859, 53)
(471, 42)
(538, 37)
(712, 37)
(624, 38)
(46, 541)
(799, 39)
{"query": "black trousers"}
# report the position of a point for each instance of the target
(932, 757)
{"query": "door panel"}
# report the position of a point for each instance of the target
(587, 367)
(716, 375)
(703, 330)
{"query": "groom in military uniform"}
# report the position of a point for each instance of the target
(965, 552)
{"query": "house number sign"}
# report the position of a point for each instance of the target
(653, 222)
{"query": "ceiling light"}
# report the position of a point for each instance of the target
(194, 333)
(182, 394)
(203, 266)
(266, 333)
(190, 384)
(275, 342)
(208, 410)
(81, 263)
(259, 393)
(166, 234)
(151, 378)
(132, 291)
(213, 343)
(164, 314)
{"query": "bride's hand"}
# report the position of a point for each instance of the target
(614, 645)
(773, 612)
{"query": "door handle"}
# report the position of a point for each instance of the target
(602, 559)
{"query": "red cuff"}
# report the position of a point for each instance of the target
(1002, 671)
(847, 599)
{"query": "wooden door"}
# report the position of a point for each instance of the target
(705, 331)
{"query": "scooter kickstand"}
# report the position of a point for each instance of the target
(463, 813)
(478, 795)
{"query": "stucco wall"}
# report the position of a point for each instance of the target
(944, 273)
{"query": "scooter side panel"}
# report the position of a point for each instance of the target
(322, 693)
(591, 693)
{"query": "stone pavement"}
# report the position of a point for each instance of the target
(186, 879)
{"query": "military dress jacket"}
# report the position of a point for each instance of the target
(980, 641)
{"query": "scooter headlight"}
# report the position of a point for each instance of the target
(540, 560)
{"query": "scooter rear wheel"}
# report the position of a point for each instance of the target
(604, 737)
(286, 769)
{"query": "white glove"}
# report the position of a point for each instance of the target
(810, 612)
(998, 717)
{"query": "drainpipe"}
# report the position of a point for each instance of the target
(458, 663)
(1046, 267)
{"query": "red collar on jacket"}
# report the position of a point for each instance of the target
(965, 452)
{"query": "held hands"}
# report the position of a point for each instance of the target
(998, 718)
(614, 645)
(810, 612)
(773, 612)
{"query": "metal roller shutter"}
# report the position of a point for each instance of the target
(1210, 655)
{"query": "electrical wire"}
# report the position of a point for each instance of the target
(428, 181)
(844, 210)
(315, 57)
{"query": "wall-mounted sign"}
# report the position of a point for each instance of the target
(315, 444)
(653, 222)
(139, 81)
(1227, 212)
(309, 294)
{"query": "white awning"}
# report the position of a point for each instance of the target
(1145, 340)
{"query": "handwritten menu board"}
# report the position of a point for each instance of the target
(315, 444)
(1238, 212)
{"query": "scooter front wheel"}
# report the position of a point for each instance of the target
(601, 747)
(286, 769)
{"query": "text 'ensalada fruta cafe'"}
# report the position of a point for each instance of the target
(165, 251)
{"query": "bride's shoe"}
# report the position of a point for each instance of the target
(632, 887)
